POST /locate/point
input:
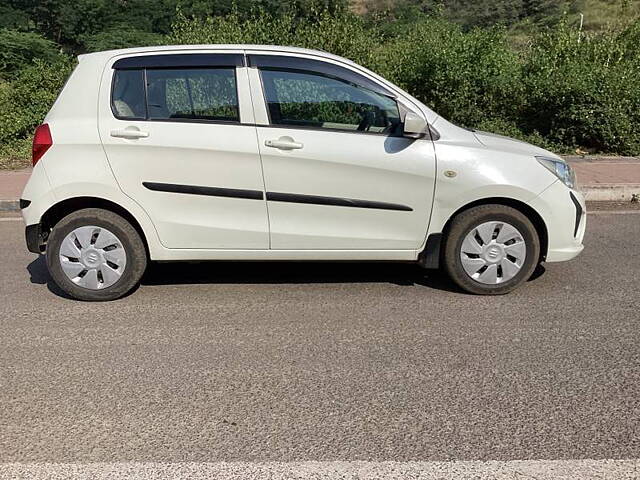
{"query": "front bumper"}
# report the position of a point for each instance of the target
(564, 213)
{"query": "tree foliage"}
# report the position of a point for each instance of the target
(18, 49)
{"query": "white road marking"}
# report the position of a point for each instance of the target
(458, 470)
(614, 212)
(11, 219)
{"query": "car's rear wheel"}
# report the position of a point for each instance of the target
(491, 249)
(95, 255)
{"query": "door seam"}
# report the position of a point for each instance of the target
(255, 129)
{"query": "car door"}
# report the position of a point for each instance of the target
(339, 175)
(179, 136)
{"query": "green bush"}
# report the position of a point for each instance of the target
(465, 77)
(584, 91)
(344, 35)
(24, 103)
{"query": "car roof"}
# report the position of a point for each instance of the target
(172, 48)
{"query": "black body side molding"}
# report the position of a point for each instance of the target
(210, 191)
(274, 196)
(335, 201)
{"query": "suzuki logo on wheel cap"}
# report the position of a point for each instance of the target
(91, 258)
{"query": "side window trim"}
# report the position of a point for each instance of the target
(278, 62)
(180, 60)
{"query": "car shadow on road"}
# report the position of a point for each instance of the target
(400, 274)
(40, 275)
(182, 273)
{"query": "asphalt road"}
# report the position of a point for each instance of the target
(254, 362)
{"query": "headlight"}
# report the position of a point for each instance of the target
(560, 169)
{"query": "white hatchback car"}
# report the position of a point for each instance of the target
(238, 152)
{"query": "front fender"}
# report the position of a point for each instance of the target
(471, 173)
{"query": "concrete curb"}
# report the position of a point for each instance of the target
(600, 159)
(611, 192)
(9, 206)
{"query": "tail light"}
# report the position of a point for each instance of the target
(41, 142)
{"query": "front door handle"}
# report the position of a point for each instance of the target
(129, 133)
(284, 143)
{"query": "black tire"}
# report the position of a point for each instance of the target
(136, 261)
(464, 223)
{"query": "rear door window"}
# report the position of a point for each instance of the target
(197, 94)
(175, 94)
(127, 97)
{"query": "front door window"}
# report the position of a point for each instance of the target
(314, 100)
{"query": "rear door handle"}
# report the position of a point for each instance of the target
(129, 133)
(284, 143)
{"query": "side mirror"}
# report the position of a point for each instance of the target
(414, 125)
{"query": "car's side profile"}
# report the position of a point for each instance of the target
(222, 152)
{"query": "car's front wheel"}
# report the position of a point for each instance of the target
(491, 249)
(95, 255)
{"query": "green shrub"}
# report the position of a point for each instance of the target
(465, 77)
(584, 91)
(344, 35)
(24, 102)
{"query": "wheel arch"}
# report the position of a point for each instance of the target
(431, 256)
(58, 211)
